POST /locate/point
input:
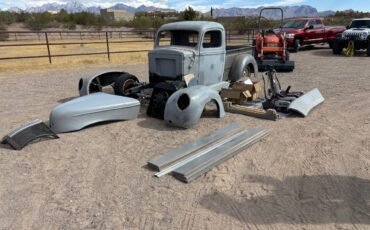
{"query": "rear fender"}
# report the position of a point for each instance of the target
(239, 63)
(185, 107)
(88, 84)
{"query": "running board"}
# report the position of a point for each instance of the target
(21, 136)
(304, 104)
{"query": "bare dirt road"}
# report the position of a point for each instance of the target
(311, 173)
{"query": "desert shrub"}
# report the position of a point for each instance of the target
(141, 23)
(70, 25)
(40, 21)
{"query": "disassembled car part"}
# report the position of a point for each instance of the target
(185, 107)
(91, 109)
(286, 101)
(21, 136)
(191, 160)
(269, 114)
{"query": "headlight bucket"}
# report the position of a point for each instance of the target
(183, 101)
(363, 36)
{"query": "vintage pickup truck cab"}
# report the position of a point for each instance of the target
(185, 54)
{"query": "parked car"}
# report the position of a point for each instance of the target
(359, 32)
(309, 31)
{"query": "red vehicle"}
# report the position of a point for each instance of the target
(309, 31)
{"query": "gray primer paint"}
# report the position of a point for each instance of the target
(94, 108)
(199, 96)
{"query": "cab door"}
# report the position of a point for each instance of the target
(212, 57)
(320, 30)
(310, 33)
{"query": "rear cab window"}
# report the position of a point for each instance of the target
(212, 39)
(311, 23)
(319, 23)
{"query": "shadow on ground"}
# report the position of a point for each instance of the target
(299, 200)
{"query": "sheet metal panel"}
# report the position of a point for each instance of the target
(162, 161)
(204, 163)
(197, 154)
(304, 104)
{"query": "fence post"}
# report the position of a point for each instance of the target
(48, 46)
(107, 41)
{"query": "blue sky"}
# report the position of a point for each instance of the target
(204, 5)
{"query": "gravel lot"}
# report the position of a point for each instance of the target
(311, 173)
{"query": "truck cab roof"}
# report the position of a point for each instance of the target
(293, 19)
(199, 26)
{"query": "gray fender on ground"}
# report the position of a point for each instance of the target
(93, 84)
(185, 107)
(92, 109)
(239, 63)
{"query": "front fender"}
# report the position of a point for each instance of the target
(239, 63)
(185, 107)
(99, 80)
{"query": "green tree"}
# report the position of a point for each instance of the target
(189, 14)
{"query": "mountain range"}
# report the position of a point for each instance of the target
(75, 7)
(289, 11)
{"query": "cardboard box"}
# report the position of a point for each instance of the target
(254, 89)
(240, 92)
(235, 95)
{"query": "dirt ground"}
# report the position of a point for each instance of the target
(311, 173)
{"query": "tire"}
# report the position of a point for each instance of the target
(247, 72)
(337, 48)
(368, 48)
(287, 54)
(296, 45)
(331, 45)
(123, 83)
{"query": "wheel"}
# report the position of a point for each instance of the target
(95, 86)
(123, 83)
(287, 55)
(331, 45)
(297, 45)
(368, 47)
(337, 48)
(247, 72)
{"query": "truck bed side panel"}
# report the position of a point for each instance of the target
(231, 53)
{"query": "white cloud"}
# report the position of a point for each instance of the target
(200, 5)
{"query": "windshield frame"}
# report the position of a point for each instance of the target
(181, 32)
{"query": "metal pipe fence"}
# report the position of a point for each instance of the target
(49, 39)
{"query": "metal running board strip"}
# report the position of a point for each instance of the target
(163, 161)
(197, 154)
(197, 167)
